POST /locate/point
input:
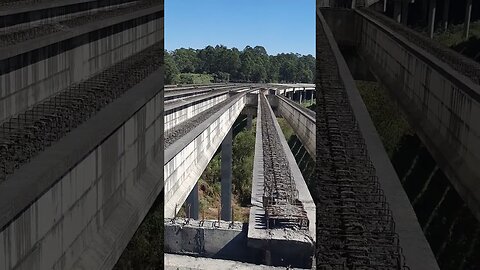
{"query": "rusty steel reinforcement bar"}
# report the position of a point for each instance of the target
(355, 227)
(417, 252)
(30, 132)
(282, 207)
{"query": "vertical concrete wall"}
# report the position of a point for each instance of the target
(94, 204)
(185, 163)
(442, 105)
(21, 88)
(303, 124)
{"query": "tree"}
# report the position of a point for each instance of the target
(171, 70)
(252, 64)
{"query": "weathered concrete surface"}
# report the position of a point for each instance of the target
(25, 86)
(442, 105)
(36, 15)
(77, 204)
(181, 262)
(224, 240)
(287, 247)
(187, 158)
(226, 175)
(303, 123)
(180, 112)
(416, 249)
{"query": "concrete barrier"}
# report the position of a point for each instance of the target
(302, 123)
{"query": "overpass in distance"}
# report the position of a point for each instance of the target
(81, 129)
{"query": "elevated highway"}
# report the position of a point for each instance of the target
(354, 172)
(191, 144)
(437, 88)
(81, 130)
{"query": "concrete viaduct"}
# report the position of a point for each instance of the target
(198, 121)
(81, 129)
(438, 90)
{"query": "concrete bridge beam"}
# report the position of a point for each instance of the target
(226, 176)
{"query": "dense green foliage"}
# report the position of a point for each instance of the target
(210, 182)
(389, 121)
(145, 250)
(455, 35)
(243, 154)
(252, 64)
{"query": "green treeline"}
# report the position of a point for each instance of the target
(221, 64)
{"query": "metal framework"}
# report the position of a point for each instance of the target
(280, 198)
(355, 227)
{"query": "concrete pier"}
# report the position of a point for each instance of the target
(397, 11)
(192, 203)
(468, 17)
(432, 9)
(446, 13)
(226, 174)
(249, 121)
(405, 7)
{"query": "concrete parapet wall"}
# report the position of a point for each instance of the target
(187, 158)
(31, 83)
(178, 115)
(302, 123)
(442, 105)
(85, 219)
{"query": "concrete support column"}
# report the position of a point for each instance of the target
(384, 6)
(249, 121)
(312, 97)
(192, 201)
(226, 174)
(432, 9)
(397, 11)
(405, 6)
(468, 17)
(446, 13)
(300, 97)
(354, 3)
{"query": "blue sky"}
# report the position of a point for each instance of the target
(278, 25)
